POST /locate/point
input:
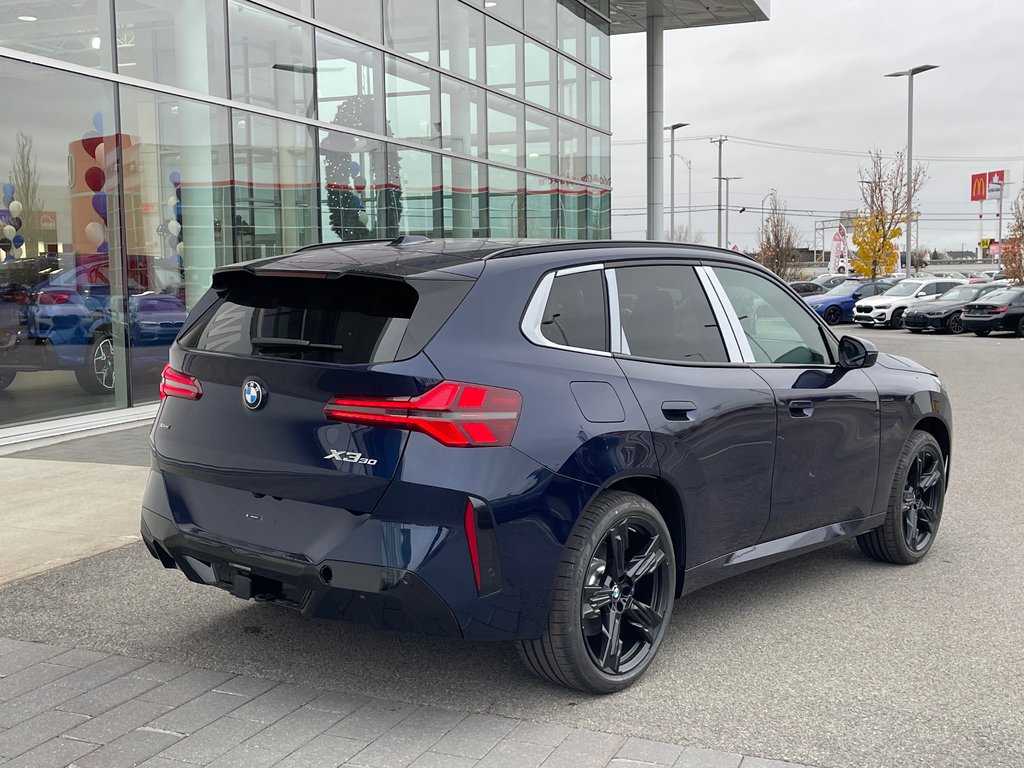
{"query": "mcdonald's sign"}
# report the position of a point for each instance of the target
(979, 186)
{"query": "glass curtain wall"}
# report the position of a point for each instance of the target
(248, 129)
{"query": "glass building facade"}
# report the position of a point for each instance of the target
(144, 143)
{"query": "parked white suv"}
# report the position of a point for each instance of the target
(888, 308)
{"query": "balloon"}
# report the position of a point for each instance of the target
(8, 190)
(89, 143)
(15, 208)
(175, 178)
(359, 183)
(18, 241)
(95, 179)
(180, 249)
(10, 231)
(103, 247)
(177, 211)
(5, 244)
(172, 201)
(174, 228)
(99, 204)
(5, 216)
(16, 222)
(101, 155)
(357, 203)
(354, 168)
(97, 121)
(95, 232)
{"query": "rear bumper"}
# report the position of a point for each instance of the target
(972, 323)
(388, 598)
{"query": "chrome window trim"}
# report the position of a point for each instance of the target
(736, 342)
(534, 313)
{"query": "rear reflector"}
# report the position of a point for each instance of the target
(483, 547)
(453, 413)
(177, 384)
(474, 551)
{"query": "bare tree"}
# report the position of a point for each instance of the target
(883, 193)
(1013, 245)
(778, 241)
(25, 178)
(684, 235)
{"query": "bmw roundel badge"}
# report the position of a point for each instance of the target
(252, 394)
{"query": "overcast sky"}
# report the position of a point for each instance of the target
(813, 76)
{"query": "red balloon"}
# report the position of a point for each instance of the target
(91, 143)
(95, 178)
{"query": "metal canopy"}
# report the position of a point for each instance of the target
(631, 15)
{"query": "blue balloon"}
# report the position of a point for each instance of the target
(103, 247)
(5, 216)
(99, 204)
(175, 178)
(18, 241)
(9, 190)
(354, 168)
(97, 121)
(357, 203)
(177, 211)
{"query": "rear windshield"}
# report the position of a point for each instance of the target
(352, 320)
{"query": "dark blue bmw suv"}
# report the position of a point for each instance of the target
(545, 443)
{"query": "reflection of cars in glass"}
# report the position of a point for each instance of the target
(831, 281)
(807, 287)
(889, 308)
(66, 324)
(836, 305)
(1001, 310)
(628, 438)
(945, 313)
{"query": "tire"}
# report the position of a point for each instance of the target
(6, 379)
(982, 332)
(1020, 327)
(833, 315)
(896, 320)
(575, 649)
(916, 330)
(915, 504)
(955, 323)
(867, 325)
(97, 375)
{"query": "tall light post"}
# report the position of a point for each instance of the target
(720, 141)
(909, 74)
(727, 179)
(672, 177)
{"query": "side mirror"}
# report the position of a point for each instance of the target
(856, 353)
(856, 296)
(920, 294)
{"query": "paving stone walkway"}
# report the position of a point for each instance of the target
(61, 707)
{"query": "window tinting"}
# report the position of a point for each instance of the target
(666, 316)
(778, 327)
(353, 320)
(575, 315)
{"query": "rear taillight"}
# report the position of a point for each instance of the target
(177, 384)
(54, 298)
(455, 414)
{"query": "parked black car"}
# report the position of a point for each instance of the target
(945, 313)
(997, 311)
(807, 287)
(544, 443)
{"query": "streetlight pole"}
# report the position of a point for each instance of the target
(909, 74)
(727, 179)
(720, 141)
(672, 177)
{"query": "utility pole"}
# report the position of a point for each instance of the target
(726, 179)
(672, 177)
(720, 141)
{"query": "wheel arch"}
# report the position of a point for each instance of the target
(938, 429)
(663, 496)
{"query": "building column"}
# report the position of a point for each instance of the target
(655, 121)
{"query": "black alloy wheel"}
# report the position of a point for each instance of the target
(1020, 326)
(955, 324)
(833, 315)
(915, 504)
(612, 599)
(7, 378)
(896, 321)
(922, 499)
(625, 597)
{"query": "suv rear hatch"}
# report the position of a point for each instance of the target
(229, 456)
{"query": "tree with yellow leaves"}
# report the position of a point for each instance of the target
(883, 192)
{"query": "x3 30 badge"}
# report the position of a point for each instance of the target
(350, 457)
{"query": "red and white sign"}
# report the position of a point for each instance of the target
(995, 184)
(840, 262)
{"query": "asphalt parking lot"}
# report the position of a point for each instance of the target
(829, 659)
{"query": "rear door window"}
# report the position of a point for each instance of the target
(352, 320)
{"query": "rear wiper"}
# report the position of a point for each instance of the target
(266, 342)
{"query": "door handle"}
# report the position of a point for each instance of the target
(679, 410)
(800, 409)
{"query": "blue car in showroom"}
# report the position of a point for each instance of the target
(836, 305)
(544, 443)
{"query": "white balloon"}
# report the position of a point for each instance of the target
(180, 248)
(172, 202)
(95, 232)
(10, 231)
(101, 153)
(174, 228)
(15, 208)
